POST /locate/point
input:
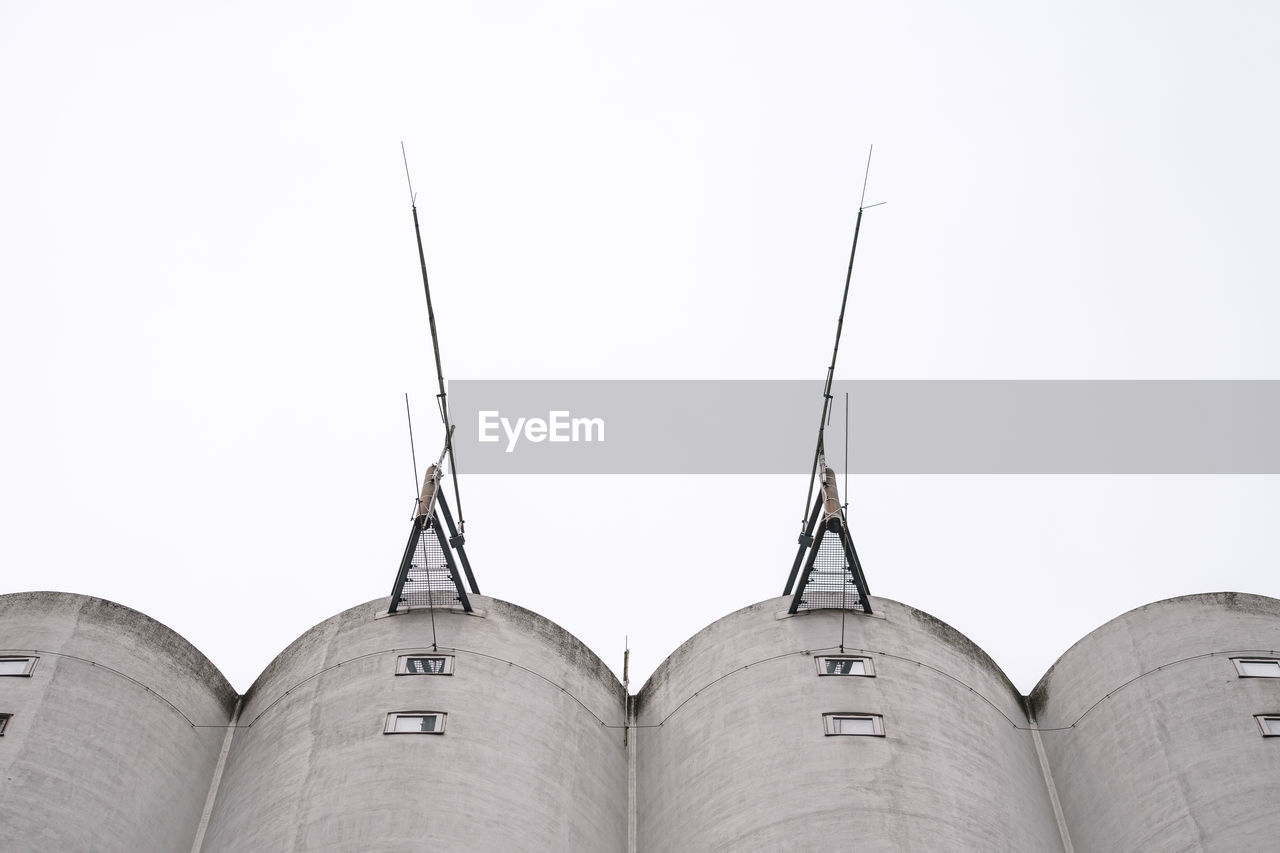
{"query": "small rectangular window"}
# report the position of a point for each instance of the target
(1257, 667)
(868, 725)
(4, 722)
(845, 665)
(414, 723)
(11, 665)
(1270, 724)
(424, 664)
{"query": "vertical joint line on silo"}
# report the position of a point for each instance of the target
(1048, 781)
(217, 778)
(629, 733)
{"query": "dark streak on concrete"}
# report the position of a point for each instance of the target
(140, 628)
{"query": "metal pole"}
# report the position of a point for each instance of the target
(442, 397)
(835, 350)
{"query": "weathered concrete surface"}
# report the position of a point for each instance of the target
(1148, 731)
(732, 754)
(528, 760)
(96, 757)
(1162, 751)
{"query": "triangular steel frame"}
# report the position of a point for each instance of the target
(827, 507)
(426, 522)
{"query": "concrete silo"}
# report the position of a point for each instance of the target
(436, 728)
(915, 741)
(509, 737)
(114, 726)
(1152, 727)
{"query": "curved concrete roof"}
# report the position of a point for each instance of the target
(134, 624)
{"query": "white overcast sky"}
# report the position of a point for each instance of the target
(212, 306)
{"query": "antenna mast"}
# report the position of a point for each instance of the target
(832, 564)
(442, 397)
(835, 350)
(428, 574)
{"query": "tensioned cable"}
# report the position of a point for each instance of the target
(678, 707)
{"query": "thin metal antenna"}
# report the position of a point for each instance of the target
(844, 610)
(626, 689)
(844, 589)
(412, 452)
(413, 198)
(626, 661)
(442, 397)
(431, 605)
(846, 448)
(835, 350)
(862, 202)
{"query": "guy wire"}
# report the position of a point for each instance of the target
(417, 493)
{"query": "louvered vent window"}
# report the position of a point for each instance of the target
(845, 665)
(421, 664)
